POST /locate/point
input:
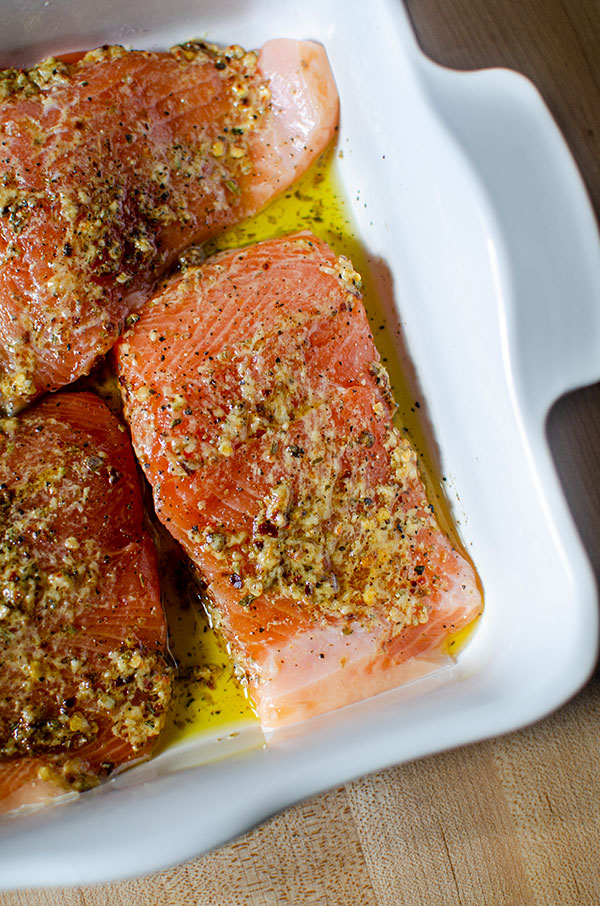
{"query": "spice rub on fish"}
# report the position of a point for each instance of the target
(84, 683)
(263, 419)
(110, 166)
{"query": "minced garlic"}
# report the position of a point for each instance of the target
(65, 680)
(108, 192)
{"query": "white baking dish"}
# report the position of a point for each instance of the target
(485, 248)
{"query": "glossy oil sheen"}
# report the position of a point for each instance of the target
(207, 695)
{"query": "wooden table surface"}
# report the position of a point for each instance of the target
(511, 821)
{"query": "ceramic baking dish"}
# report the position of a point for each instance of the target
(485, 251)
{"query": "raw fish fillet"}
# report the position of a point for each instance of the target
(113, 164)
(84, 678)
(262, 417)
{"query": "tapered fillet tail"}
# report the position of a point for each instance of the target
(304, 115)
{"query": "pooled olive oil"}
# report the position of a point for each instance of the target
(206, 694)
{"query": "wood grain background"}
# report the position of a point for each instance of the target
(512, 821)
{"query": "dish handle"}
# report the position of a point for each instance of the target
(546, 224)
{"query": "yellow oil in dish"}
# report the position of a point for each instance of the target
(207, 694)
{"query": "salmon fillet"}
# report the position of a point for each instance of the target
(84, 682)
(262, 417)
(113, 164)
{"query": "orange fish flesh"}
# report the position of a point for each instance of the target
(84, 677)
(112, 164)
(262, 417)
